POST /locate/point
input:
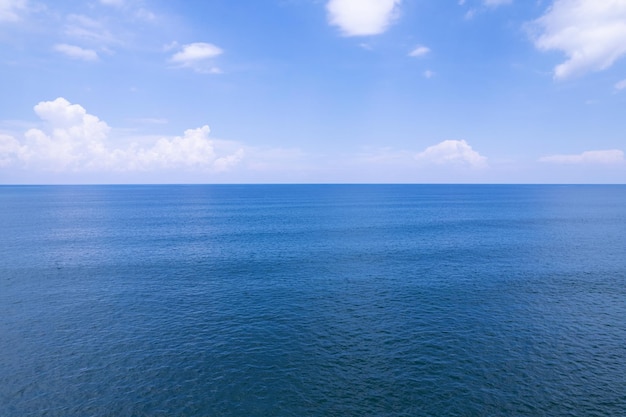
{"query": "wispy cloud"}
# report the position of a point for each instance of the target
(76, 52)
(469, 15)
(456, 152)
(198, 56)
(419, 51)
(362, 17)
(591, 33)
(85, 29)
(611, 156)
(131, 9)
(486, 6)
(196, 52)
(10, 10)
(620, 85)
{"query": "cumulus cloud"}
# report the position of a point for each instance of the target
(74, 140)
(362, 17)
(194, 148)
(76, 52)
(10, 10)
(419, 50)
(611, 156)
(591, 33)
(197, 55)
(10, 149)
(456, 152)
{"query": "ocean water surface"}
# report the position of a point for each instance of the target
(313, 300)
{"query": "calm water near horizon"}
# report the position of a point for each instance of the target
(313, 300)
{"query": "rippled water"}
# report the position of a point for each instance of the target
(313, 300)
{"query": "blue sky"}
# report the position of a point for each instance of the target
(275, 91)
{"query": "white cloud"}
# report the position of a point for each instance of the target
(10, 149)
(591, 33)
(362, 17)
(419, 50)
(195, 52)
(76, 52)
(620, 85)
(10, 10)
(193, 148)
(457, 152)
(611, 156)
(226, 162)
(89, 30)
(76, 138)
(77, 141)
(428, 74)
(198, 56)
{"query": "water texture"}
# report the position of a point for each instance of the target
(313, 300)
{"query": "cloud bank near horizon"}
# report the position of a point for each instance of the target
(602, 157)
(74, 140)
(455, 152)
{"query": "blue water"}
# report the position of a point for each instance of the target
(346, 300)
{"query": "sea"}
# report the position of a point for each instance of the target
(313, 300)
